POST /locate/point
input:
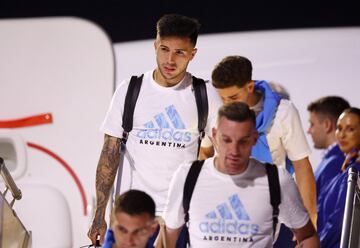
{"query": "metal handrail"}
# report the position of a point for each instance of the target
(9, 182)
(350, 207)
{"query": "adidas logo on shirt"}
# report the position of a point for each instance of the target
(167, 129)
(229, 218)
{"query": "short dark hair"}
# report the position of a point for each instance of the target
(178, 26)
(329, 106)
(232, 71)
(135, 202)
(237, 111)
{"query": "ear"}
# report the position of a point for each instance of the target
(153, 227)
(213, 138)
(155, 45)
(256, 136)
(251, 86)
(193, 53)
(328, 125)
(213, 132)
(111, 217)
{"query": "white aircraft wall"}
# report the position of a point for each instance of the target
(309, 63)
(63, 66)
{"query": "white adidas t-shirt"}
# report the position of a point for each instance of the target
(233, 211)
(165, 131)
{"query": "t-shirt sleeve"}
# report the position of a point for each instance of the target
(173, 214)
(215, 102)
(112, 124)
(292, 211)
(293, 136)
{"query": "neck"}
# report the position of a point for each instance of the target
(330, 140)
(162, 81)
(229, 170)
(254, 98)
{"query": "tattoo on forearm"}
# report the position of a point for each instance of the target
(106, 170)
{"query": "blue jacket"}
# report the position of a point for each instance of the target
(331, 206)
(109, 239)
(328, 168)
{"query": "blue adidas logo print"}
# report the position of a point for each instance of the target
(229, 218)
(166, 127)
(161, 121)
(225, 213)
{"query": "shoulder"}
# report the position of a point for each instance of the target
(256, 169)
(285, 178)
(334, 152)
(286, 107)
(254, 163)
(123, 85)
(337, 187)
(287, 115)
(211, 89)
(213, 95)
(262, 167)
(125, 82)
(259, 168)
(182, 170)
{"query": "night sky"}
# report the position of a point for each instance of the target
(134, 20)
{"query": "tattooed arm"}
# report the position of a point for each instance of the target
(105, 176)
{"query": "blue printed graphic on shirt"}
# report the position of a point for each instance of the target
(229, 218)
(166, 129)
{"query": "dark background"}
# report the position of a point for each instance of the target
(134, 20)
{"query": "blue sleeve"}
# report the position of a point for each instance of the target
(109, 239)
(330, 168)
(330, 235)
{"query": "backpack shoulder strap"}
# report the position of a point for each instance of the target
(189, 185)
(131, 97)
(202, 106)
(129, 106)
(275, 193)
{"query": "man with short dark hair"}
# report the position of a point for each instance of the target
(230, 204)
(323, 116)
(133, 221)
(165, 120)
(281, 136)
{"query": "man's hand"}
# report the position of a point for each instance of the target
(98, 227)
